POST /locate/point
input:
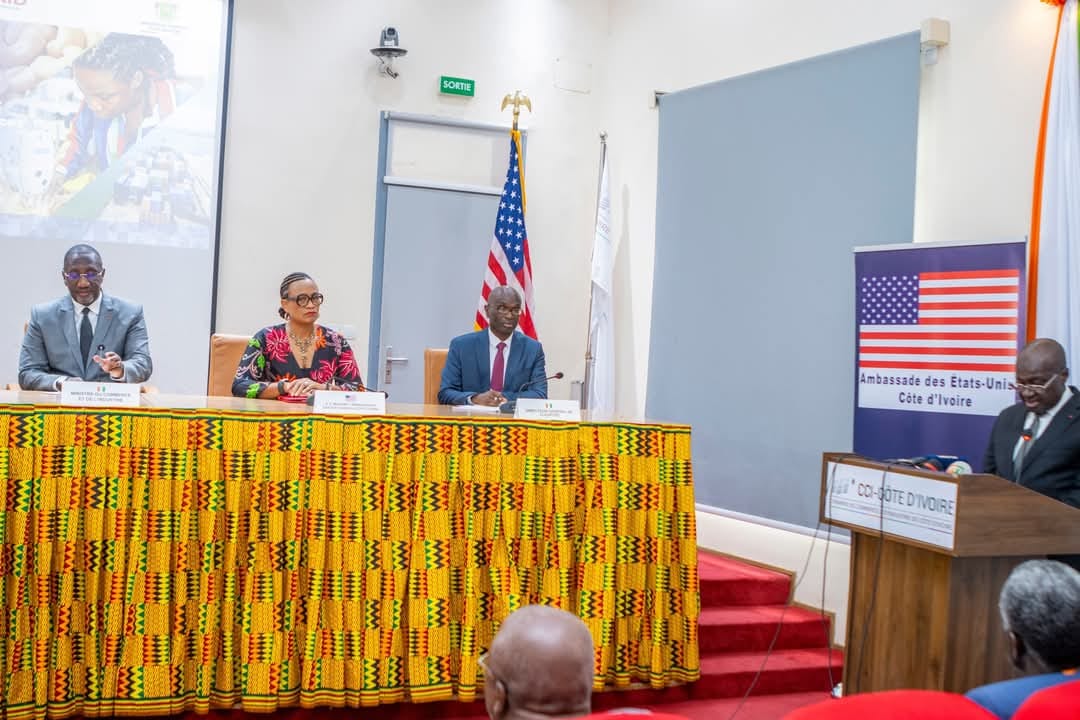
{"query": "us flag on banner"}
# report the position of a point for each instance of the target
(508, 262)
(962, 321)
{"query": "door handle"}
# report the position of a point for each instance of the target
(390, 360)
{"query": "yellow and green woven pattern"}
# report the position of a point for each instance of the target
(159, 561)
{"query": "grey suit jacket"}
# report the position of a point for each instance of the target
(50, 349)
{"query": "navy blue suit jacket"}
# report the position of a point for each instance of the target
(468, 368)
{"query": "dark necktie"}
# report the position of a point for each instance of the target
(86, 335)
(1022, 449)
(497, 369)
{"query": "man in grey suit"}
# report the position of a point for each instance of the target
(85, 335)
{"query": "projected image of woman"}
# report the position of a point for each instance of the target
(128, 88)
(299, 356)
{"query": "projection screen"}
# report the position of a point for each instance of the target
(111, 131)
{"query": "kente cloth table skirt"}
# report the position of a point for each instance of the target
(157, 561)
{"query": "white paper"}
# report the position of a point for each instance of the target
(478, 409)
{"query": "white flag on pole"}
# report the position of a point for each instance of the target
(601, 387)
(1056, 266)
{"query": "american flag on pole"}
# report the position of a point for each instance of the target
(951, 321)
(508, 262)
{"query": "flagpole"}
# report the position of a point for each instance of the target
(589, 360)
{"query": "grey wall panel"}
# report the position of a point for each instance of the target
(765, 183)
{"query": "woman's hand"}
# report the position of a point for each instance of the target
(302, 387)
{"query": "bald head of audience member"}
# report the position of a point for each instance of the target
(540, 665)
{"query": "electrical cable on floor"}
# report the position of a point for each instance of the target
(798, 581)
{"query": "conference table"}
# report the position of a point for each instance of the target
(203, 552)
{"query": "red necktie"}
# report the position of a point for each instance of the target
(497, 368)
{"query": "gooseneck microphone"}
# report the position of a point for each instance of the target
(510, 405)
(1027, 433)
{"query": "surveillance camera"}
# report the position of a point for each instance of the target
(389, 48)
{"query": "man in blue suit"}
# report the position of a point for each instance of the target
(85, 335)
(489, 367)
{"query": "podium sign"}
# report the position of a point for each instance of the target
(901, 504)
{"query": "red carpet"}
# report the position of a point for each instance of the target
(742, 605)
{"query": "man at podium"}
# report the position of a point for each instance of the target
(1036, 442)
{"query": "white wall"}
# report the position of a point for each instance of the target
(299, 183)
(300, 168)
(978, 115)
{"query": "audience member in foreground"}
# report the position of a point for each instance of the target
(1040, 612)
(85, 335)
(489, 367)
(297, 357)
(540, 665)
(1060, 702)
(894, 705)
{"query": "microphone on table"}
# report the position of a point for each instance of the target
(511, 405)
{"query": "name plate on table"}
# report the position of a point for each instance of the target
(97, 394)
(537, 409)
(349, 403)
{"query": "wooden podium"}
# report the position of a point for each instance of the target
(929, 554)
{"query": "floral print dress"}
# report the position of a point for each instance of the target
(269, 359)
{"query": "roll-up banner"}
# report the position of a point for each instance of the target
(938, 327)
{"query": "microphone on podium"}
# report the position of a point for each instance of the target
(959, 467)
(952, 464)
(510, 405)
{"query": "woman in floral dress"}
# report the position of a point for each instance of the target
(297, 357)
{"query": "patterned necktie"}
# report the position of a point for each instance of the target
(498, 368)
(86, 335)
(1022, 448)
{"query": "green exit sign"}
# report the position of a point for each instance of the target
(457, 86)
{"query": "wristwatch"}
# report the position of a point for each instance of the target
(280, 387)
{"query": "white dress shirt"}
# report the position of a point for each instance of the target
(95, 310)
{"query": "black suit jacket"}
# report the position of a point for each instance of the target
(1052, 463)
